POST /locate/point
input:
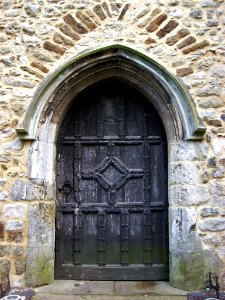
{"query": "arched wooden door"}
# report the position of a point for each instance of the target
(111, 219)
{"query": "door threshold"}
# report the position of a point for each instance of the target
(112, 288)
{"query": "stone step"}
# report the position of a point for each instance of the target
(45, 296)
(107, 290)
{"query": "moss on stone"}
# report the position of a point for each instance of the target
(44, 271)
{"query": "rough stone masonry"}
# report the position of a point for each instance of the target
(187, 38)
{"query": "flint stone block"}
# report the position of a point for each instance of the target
(32, 9)
(222, 117)
(210, 13)
(219, 71)
(205, 63)
(15, 236)
(185, 173)
(217, 187)
(2, 38)
(188, 3)
(4, 158)
(189, 195)
(30, 40)
(223, 239)
(209, 3)
(4, 250)
(2, 230)
(211, 114)
(42, 56)
(188, 151)
(210, 90)
(18, 82)
(14, 210)
(212, 162)
(212, 23)
(196, 13)
(3, 195)
(4, 266)
(5, 50)
(211, 239)
(177, 13)
(52, 11)
(17, 250)
(222, 213)
(219, 172)
(14, 225)
(22, 93)
(8, 61)
(218, 201)
(199, 75)
(15, 145)
(13, 13)
(20, 266)
(4, 271)
(211, 103)
(212, 224)
(209, 212)
(82, 4)
(218, 146)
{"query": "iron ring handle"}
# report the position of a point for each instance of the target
(67, 188)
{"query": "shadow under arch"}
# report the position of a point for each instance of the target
(165, 91)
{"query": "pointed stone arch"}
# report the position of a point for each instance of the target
(43, 120)
(166, 92)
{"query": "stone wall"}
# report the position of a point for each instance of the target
(187, 37)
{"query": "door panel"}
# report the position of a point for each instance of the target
(112, 188)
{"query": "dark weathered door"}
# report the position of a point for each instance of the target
(112, 188)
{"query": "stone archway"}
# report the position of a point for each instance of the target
(184, 132)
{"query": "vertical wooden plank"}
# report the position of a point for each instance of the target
(89, 238)
(158, 236)
(136, 238)
(77, 237)
(68, 238)
(156, 181)
(101, 239)
(134, 190)
(113, 238)
(147, 237)
(109, 115)
(124, 236)
(68, 171)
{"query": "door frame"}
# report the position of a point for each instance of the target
(41, 126)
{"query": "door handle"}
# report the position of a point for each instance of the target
(66, 188)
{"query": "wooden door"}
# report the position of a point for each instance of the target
(111, 219)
